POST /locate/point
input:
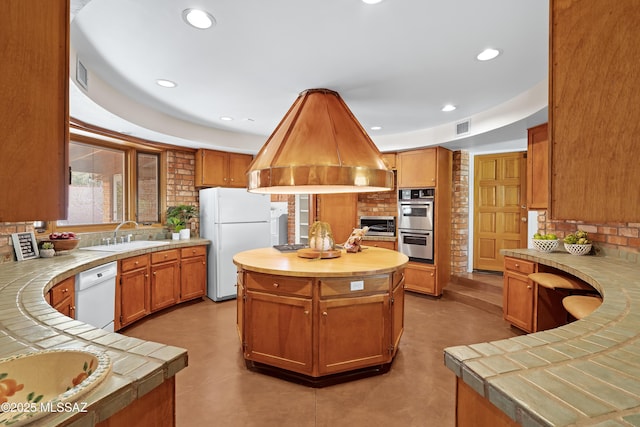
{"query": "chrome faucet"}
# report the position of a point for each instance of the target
(115, 233)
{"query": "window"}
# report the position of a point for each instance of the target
(111, 183)
(148, 197)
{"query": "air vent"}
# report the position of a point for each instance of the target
(463, 128)
(82, 75)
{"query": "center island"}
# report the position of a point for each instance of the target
(320, 321)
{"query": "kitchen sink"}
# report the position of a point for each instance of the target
(127, 246)
(39, 383)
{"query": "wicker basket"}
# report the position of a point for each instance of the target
(64, 244)
(578, 249)
(545, 245)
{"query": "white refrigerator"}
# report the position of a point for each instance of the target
(235, 221)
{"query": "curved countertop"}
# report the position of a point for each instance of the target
(583, 373)
(369, 261)
(28, 323)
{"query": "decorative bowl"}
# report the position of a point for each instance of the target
(545, 245)
(576, 249)
(64, 244)
(35, 384)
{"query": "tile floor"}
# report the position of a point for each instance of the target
(217, 390)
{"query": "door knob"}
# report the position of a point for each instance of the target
(523, 219)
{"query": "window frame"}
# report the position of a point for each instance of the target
(131, 150)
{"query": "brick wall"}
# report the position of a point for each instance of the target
(378, 204)
(460, 213)
(625, 236)
(181, 190)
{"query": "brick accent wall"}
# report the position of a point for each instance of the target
(181, 190)
(625, 236)
(460, 213)
(378, 204)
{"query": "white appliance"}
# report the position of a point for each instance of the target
(235, 221)
(96, 295)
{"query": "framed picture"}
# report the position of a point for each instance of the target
(25, 245)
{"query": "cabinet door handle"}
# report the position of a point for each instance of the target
(324, 313)
(528, 286)
(136, 263)
(306, 312)
(154, 273)
(275, 285)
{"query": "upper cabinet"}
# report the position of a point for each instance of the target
(389, 160)
(538, 167)
(594, 110)
(419, 168)
(221, 169)
(34, 112)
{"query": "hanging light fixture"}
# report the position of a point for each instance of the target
(319, 147)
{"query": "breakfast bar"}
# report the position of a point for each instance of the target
(318, 320)
(582, 373)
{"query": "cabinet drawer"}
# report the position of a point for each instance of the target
(164, 256)
(519, 265)
(62, 290)
(335, 287)
(193, 251)
(279, 284)
(134, 262)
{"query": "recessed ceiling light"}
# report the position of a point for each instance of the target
(371, 1)
(198, 18)
(488, 54)
(449, 107)
(166, 83)
(375, 127)
(226, 118)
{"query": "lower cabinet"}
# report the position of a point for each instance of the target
(421, 278)
(352, 333)
(132, 292)
(380, 244)
(165, 279)
(152, 282)
(193, 272)
(279, 331)
(62, 297)
(320, 326)
(518, 293)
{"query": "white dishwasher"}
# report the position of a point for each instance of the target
(96, 296)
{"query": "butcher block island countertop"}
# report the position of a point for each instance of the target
(319, 321)
(142, 371)
(584, 373)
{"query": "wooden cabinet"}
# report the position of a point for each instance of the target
(352, 333)
(221, 169)
(538, 167)
(380, 244)
(165, 279)
(340, 211)
(34, 112)
(430, 167)
(320, 326)
(193, 272)
(132, 294)
(421, 278)
(417, 168)
(62, 297)
(389, 160)
(593, 119)
(158, 280)
(518, 293)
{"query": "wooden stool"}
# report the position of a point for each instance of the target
(580, 306)
(556, 281)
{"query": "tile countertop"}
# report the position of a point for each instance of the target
(583, 373)
(28, 323)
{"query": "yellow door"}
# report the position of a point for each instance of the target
(500, 213)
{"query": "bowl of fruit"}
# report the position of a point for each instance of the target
(545, 242)
(577, 243)
(65, 241)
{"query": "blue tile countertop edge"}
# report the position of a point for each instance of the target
(28, 323)
(583, 373)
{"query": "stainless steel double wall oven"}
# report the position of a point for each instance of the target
(415, 223)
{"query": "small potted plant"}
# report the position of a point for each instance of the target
(47, 250)
(177, 219)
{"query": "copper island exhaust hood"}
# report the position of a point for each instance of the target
(319, 147)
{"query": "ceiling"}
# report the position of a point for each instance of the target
(395, 64)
